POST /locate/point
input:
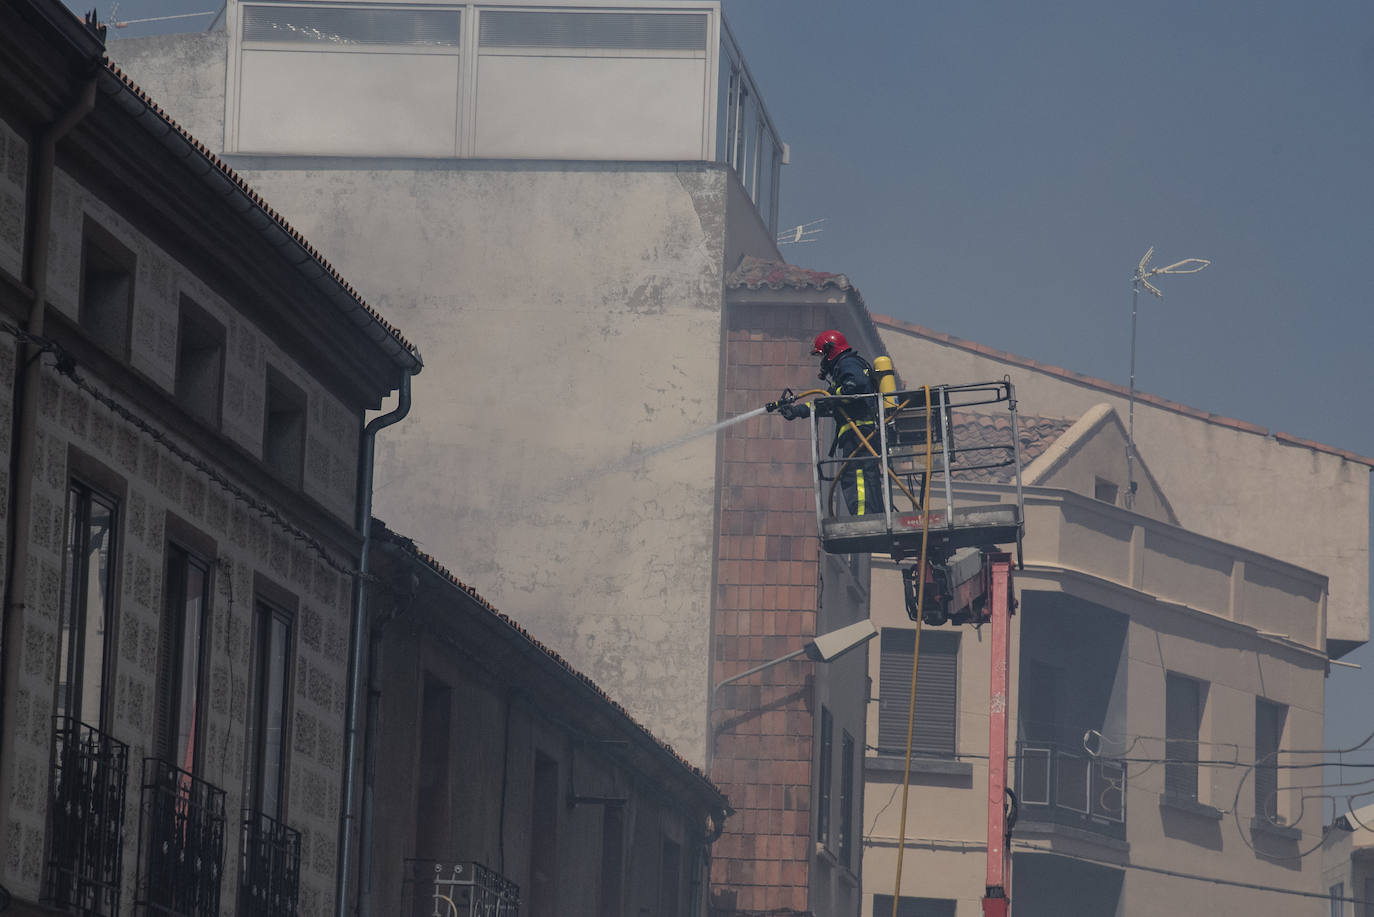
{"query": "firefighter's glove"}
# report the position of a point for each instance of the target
(794, 411)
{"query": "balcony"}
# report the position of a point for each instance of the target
(181, 843)
(1072, 789)
(86, 820)
(460, 890)
(269, 882)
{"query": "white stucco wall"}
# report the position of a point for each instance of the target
(570, 318)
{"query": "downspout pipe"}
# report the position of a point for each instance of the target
(29, 370)
(357, 643)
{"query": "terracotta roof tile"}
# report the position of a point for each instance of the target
(989, 431)
(755, 273)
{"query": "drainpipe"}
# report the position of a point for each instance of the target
(29, 370)
(357, 643)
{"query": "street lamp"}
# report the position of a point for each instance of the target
(825, 648)
(1141, 278)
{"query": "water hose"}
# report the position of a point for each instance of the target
(915, 658)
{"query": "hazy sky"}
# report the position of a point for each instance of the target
(995, 171)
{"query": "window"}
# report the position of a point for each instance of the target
(432, 800)
(283, 442)
(544, 837)
(87, 607)
(612, 860)
(1338, 900)
(185, 646)
(1104, 490)
(200, 362)
(1269, 718)
(937, 680)
(847, 801)
(824, 770)
(1183, 702)
(670, 885)
(913, 907)
(273, 693)
(107, 289)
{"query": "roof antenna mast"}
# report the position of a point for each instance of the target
(1141, 278)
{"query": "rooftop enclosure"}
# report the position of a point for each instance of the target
(503, 81)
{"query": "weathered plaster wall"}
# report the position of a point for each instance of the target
(184, 74)
(570, 320)
(1289, 501)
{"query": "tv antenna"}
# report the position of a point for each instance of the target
(805, 232)
(1141, 278)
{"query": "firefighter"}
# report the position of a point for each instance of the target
(847, 373)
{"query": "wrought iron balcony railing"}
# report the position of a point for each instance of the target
(85, 820)
(1071, 788)
(181, 843)
(270, 878)
(462, 890)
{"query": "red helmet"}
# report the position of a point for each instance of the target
(829, 345)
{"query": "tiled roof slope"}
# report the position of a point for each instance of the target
(224, 180)
(973, 430)
(381, 532)
(1102, 385)
(756, 274)
(759, 274)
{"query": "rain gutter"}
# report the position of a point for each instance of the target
(356, 644)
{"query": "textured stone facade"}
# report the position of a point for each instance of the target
(123, 419)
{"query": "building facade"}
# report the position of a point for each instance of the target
(496, 758)
(185, 381)
(1162, 676)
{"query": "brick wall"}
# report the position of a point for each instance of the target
(766, 606)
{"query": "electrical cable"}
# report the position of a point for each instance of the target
(915, 658)
(1172, 873)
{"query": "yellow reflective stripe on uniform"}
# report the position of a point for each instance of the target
(859, 491)
(854, 425)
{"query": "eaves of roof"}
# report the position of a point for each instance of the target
(705, 790)
(753, 273)
(1102, 385)
(224, 181)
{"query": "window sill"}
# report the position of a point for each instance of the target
(895, 764)
(1189, 806)
(1279, 832)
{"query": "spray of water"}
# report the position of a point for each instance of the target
(639, 456)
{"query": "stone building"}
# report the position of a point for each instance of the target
(184, 382)
(491, 749)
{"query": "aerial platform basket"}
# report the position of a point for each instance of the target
(915, 429)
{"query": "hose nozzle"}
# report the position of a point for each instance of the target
(786, 398)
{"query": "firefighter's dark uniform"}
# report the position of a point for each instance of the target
(861, 480)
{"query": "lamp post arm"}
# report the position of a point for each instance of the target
(758, 668)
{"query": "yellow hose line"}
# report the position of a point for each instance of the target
(915, 658)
